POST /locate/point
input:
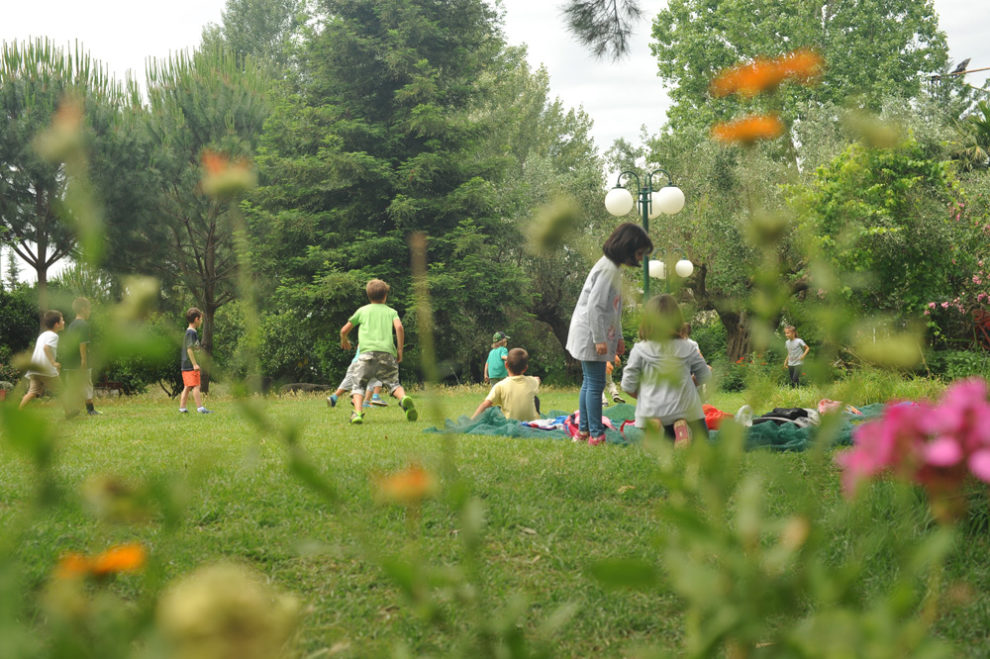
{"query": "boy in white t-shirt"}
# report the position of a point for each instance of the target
(797, 350)
(516, 394)
(44, 370)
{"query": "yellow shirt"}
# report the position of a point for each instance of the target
(516, 395)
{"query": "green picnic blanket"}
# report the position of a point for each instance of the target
(776, 437)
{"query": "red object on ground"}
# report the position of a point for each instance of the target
(714, 416)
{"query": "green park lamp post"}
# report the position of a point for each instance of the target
(668, 200)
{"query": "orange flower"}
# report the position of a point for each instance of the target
(748, 79)
(409, 486)
(749, 129)
(122, 558)
(72, 565)
(804, 66)
(225, 179)
(215, 163)
(763, 74)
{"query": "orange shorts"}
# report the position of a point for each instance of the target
(190, 378)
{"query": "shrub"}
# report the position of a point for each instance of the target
(18, 319)
(142, 355)
(7, 372)
(951, 365)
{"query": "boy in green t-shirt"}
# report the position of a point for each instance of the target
(378, 359)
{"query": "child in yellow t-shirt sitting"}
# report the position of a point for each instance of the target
(516, 394)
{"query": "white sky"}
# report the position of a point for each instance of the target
(620, 97)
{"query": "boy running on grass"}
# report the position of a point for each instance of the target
(43, 374)
(77, 366)
(379, 355)
(190, 367)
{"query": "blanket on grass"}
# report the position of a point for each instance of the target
(783, 437)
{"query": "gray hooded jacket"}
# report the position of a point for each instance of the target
(659, 375)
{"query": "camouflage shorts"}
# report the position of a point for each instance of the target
(377, 366)
(349, 383)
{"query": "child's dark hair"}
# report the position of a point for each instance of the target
(625, 241)
(517, 361)
(377, 290)
(662, 319)
(192, 314)
(51, 318)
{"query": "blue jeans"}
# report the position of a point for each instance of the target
(590, 403)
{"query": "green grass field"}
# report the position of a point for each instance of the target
(375, 579)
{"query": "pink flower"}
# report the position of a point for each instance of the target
(943, 452)
(927, 312)
(931, 305)
(945, 305)
(981, 297)
(937, 446)
(979, 464)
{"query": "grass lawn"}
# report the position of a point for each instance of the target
(217, 487)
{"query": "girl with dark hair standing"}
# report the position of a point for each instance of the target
(595, 334)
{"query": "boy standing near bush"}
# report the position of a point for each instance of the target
(379, 355)
(189, 365)
(76, 360)
(516, 394)
(495, 364)
(797, 350)
(43, 374)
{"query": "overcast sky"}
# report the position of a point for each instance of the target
(620, 97)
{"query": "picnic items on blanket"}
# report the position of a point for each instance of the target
(574, 419)
(828, 405)
(713, 416)
(744, 416)
(799, 416)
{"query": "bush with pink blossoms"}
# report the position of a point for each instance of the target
(937, 445)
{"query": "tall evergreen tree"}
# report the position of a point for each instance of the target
(380, 141)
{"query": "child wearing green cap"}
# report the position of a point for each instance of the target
(495, 364)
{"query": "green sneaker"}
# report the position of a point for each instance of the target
(409, 408)
(357, 419)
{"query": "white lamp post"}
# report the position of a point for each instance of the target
(668, 200)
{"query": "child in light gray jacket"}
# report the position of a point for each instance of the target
(663, 373)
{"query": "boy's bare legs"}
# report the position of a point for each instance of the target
(24, 401)
(183, 397)
(198, 397)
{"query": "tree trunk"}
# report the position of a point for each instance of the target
(736, 323)
(42, 272)
(209, 313)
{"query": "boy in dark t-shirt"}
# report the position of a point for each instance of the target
(189, 365)
(77, 363)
